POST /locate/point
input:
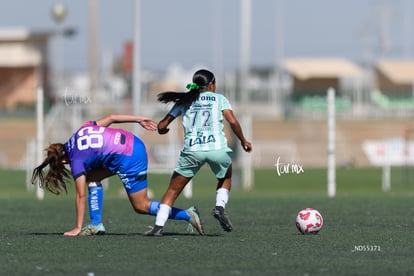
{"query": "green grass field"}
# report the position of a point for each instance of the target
(366, 231)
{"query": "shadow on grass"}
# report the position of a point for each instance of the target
(165, 234)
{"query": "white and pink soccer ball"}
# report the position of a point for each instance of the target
(309, 221)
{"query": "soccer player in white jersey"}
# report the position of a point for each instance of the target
(96, 151)
(202, 112)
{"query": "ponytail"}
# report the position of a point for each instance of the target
(182, 98)
(54, 181)
(201, 79)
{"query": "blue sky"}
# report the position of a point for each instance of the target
(192, 32)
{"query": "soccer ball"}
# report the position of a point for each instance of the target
(309, 221)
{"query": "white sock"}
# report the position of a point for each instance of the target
(222, 196)
(162, 215)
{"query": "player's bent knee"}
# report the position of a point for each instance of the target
(139, 201)
(141, 209)
(141, 206)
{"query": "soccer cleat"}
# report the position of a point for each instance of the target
(155, 231)
(195, 220)
(90, 230)
(218, 213)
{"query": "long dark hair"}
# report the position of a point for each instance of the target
(201, 79)
(54, 181)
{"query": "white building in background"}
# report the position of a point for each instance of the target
(23, 66)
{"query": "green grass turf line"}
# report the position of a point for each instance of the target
(362, 235)
(366, 231)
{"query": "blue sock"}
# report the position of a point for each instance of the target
(95, 198)
(176, 213)
(179, 214)
(154, 207)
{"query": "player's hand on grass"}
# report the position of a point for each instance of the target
(73, 232)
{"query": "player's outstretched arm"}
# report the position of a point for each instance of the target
(236, 128)
(145, 122)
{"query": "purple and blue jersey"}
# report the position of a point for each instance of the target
(118, 150)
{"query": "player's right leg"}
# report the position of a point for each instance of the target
(143, 205)
(221, 164)
(222, 197)
(220, 215)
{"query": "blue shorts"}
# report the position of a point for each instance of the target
(190, 162)
(133, 169)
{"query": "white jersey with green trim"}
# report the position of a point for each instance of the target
(203, 122)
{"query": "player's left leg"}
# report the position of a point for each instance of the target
(95, 202)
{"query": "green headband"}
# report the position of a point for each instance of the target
(194, 86)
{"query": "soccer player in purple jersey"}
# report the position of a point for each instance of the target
(96, 151)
